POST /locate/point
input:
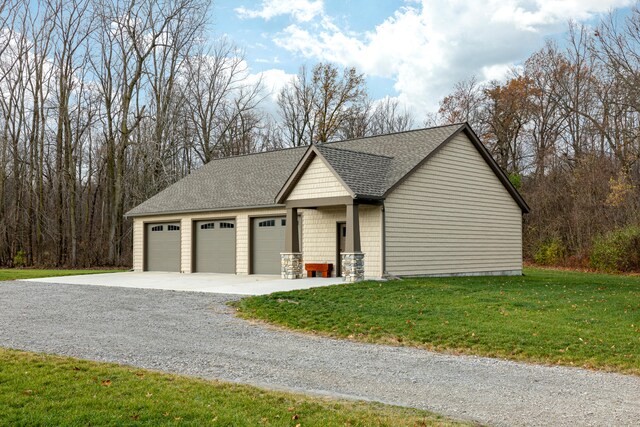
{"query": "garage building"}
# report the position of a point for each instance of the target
(428, 202)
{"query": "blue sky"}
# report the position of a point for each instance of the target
(413, 50)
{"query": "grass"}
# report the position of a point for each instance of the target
(551, 317)
(38, 389)
(28, 273)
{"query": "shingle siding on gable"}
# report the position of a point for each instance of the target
(317, 181)
(452, 215)
(319, 234)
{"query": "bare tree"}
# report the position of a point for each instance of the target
(128, 35)
(167, 61)
(574, 90)
(618, 50)
(338, 97)
(72, 25)
(296, 104)
(219, 96)
(546, 119)
(388, 116)
(323, 105)
(465, 104)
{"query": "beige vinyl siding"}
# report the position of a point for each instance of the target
(138, 244)
(319, 234)
(371, 240)
(242, 218)
(317, 181)
(451, 216)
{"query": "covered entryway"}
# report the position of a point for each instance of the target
(215, 246)
(162, 247)
(267, 242)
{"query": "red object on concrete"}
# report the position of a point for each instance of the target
(314, 269)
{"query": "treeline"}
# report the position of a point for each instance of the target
(105, 102)
(566, 127)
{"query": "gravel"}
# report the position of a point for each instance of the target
(197, 334)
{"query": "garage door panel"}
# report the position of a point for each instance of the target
(268, 241)
(215, 246)
(162, 248)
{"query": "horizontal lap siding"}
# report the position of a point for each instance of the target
(371, 240)
(317, 181)
(452, 215)
(242, 218)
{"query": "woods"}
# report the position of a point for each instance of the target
(106, 102)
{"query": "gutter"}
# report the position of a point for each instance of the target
(195, 211)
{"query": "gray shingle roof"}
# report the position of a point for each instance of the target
(406, 148)
(364, 173)
(369, 166)
(232, 182)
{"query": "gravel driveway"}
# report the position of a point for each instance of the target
(197, 334)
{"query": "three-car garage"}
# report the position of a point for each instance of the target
(214, 245)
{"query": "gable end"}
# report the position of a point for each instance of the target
(312, 156)
(502, 177)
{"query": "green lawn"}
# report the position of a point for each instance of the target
(29, 273)
(547, 316)
(39, 389)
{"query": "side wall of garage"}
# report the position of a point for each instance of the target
(453, 216)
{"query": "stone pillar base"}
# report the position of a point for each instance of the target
(353, 267)
(291, 265)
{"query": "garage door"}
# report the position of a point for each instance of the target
(267, 242)
(215, 246)
(162, 248)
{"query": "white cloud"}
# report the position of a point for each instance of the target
(273, 60)
(495, 71)
(533, 15)
(273, 80)
(427, 46)
(300, 10)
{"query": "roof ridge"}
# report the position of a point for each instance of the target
(322, 146)
(395, 133)
(276, 150)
